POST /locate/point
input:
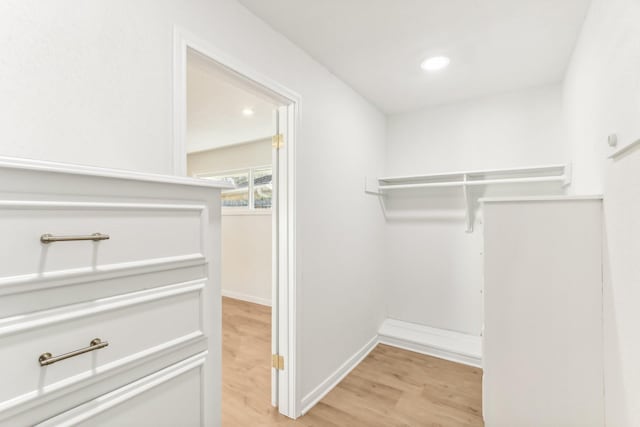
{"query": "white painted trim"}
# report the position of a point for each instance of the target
(99, 374)
(91, 171)
(288, 251)
(275, 270)
(316, 395)
(94, 407)
(36, 281)
(25, 322)
(184, 40)
(50, 205)
(246, 297)
(441, 343)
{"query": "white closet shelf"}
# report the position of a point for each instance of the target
(547, 173)
(472, 182)
(558, 173)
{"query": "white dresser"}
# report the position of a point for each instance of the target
(542, 341)
(109, 297)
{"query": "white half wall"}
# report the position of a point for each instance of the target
(91, 83)
(602, 96)
(434, 269)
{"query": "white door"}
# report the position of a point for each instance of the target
(280, 294)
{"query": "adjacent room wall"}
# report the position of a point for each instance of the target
(246, 235)
(434, 268)
(602, 96)
(91, 83)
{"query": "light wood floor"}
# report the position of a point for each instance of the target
(391, 387)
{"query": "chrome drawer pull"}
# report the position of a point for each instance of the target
(49, 238)
(47, 359)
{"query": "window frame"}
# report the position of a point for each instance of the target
(242, 210)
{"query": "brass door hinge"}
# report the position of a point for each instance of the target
(277, 141)
(277, 362)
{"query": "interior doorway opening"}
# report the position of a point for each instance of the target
(235, 125)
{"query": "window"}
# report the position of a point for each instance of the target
(262, 188)
(253, 188)
(236, 197)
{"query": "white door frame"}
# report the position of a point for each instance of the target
(288, 401)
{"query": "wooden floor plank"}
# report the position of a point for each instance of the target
(390, 388)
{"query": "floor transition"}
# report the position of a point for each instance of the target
(391, 387)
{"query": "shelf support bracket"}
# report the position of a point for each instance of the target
(371, 192)
(568, 175)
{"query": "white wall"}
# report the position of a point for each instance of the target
(435, 274)
(521, 128)
(91, 83)
(246, 236)
(602, 96)
(246, 257)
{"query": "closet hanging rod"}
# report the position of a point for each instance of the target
(627, 148)
(517, 180)
(421, 185)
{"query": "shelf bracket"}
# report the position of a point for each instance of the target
(568, 175)
(468, 205)
(371, 192)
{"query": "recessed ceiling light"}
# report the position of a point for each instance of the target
(435, 63)
(247, 112)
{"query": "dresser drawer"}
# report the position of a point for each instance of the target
(164, 398)
(135, 325)
(137, 232)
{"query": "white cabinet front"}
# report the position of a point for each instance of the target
(136, 233)
(168, 398)
(133, 325)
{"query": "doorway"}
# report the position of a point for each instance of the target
(260, 117)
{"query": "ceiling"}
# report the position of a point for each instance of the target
(376, 46)
(214, 109)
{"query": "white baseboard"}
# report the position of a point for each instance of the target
(310, 400)
(245, 297)
(449, 345)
